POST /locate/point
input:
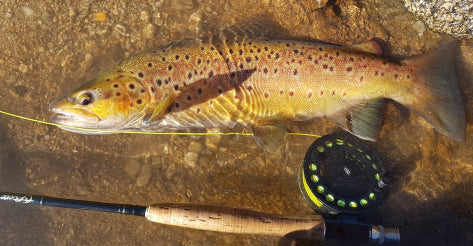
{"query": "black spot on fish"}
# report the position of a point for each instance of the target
(240, 52)
(212, 48)
(351, 59)
(395, 76)
(211, 73)
(337, 54)
(115, 85)
(258, 50)
(142, 90)
(152, 89)
(325, 66)
(231, 51)
(163, 59)
(331, 69)
(256, 58)
(265, 70)
(189, 75)
(118, 94)
(295, 71)
(320, 49)
(131, 86)
(241, 65)
(140, 74)
(199, 61)
(220, 52)
(159, 82)
(288, 45)
(107, 80)
(139, 101)
(277, 56)
(199, 91)
(296, 51)
(309, 57)
(219, 91)
(187, 57)
(176, 105)
(150, 64)
(251, 51)
(189, 98)
(275, 70)
(265, 48)
(176, 87)
(170, 68)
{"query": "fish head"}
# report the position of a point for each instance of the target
(109, 102)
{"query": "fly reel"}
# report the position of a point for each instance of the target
(341, 175)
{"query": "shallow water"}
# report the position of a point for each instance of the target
(50, 49)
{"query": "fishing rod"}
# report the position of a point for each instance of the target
(224, 219)
(341, 177)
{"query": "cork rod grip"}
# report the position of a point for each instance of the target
(232, 220)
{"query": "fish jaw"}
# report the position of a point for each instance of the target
(71, 116)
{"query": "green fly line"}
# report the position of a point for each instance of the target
(148, 133)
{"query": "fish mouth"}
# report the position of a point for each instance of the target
(76, 117)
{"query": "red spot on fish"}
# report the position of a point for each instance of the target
(275, 70)
(281, 92)
(309, 95)
(375, 72)
(408, 76)
(395, 76)
(325, 66)
(349, 69)
(295, 71)
(249, 88)
(198, 110)
(266, 95)
(361, 79)
(344, 94)
(321, 93)
(211, 102)
(331, 69)
(333, 93)
(291, 93)
(265, 70)
(132, 72)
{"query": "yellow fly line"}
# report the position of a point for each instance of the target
(149, 133)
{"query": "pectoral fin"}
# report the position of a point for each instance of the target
(269, 137)
(363, 121)
(160, 108)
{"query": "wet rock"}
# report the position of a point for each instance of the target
(145, 175)
(190, 158)
(132, 168)
(451, 17)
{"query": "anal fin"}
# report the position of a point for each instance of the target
(363, 121)
(269, 137)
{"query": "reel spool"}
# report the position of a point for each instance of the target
(341, 175)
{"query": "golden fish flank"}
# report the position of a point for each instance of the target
(265, 84)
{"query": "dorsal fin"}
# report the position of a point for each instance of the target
(371, 47)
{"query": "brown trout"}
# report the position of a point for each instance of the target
(264, 84)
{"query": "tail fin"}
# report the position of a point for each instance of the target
(437, 97)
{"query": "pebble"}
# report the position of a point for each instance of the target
(195, 147)
(190, 158)
(149, 30)
(145, 175)
(23, 68)
(132, 168)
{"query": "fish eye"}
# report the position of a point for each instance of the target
(84, 98)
